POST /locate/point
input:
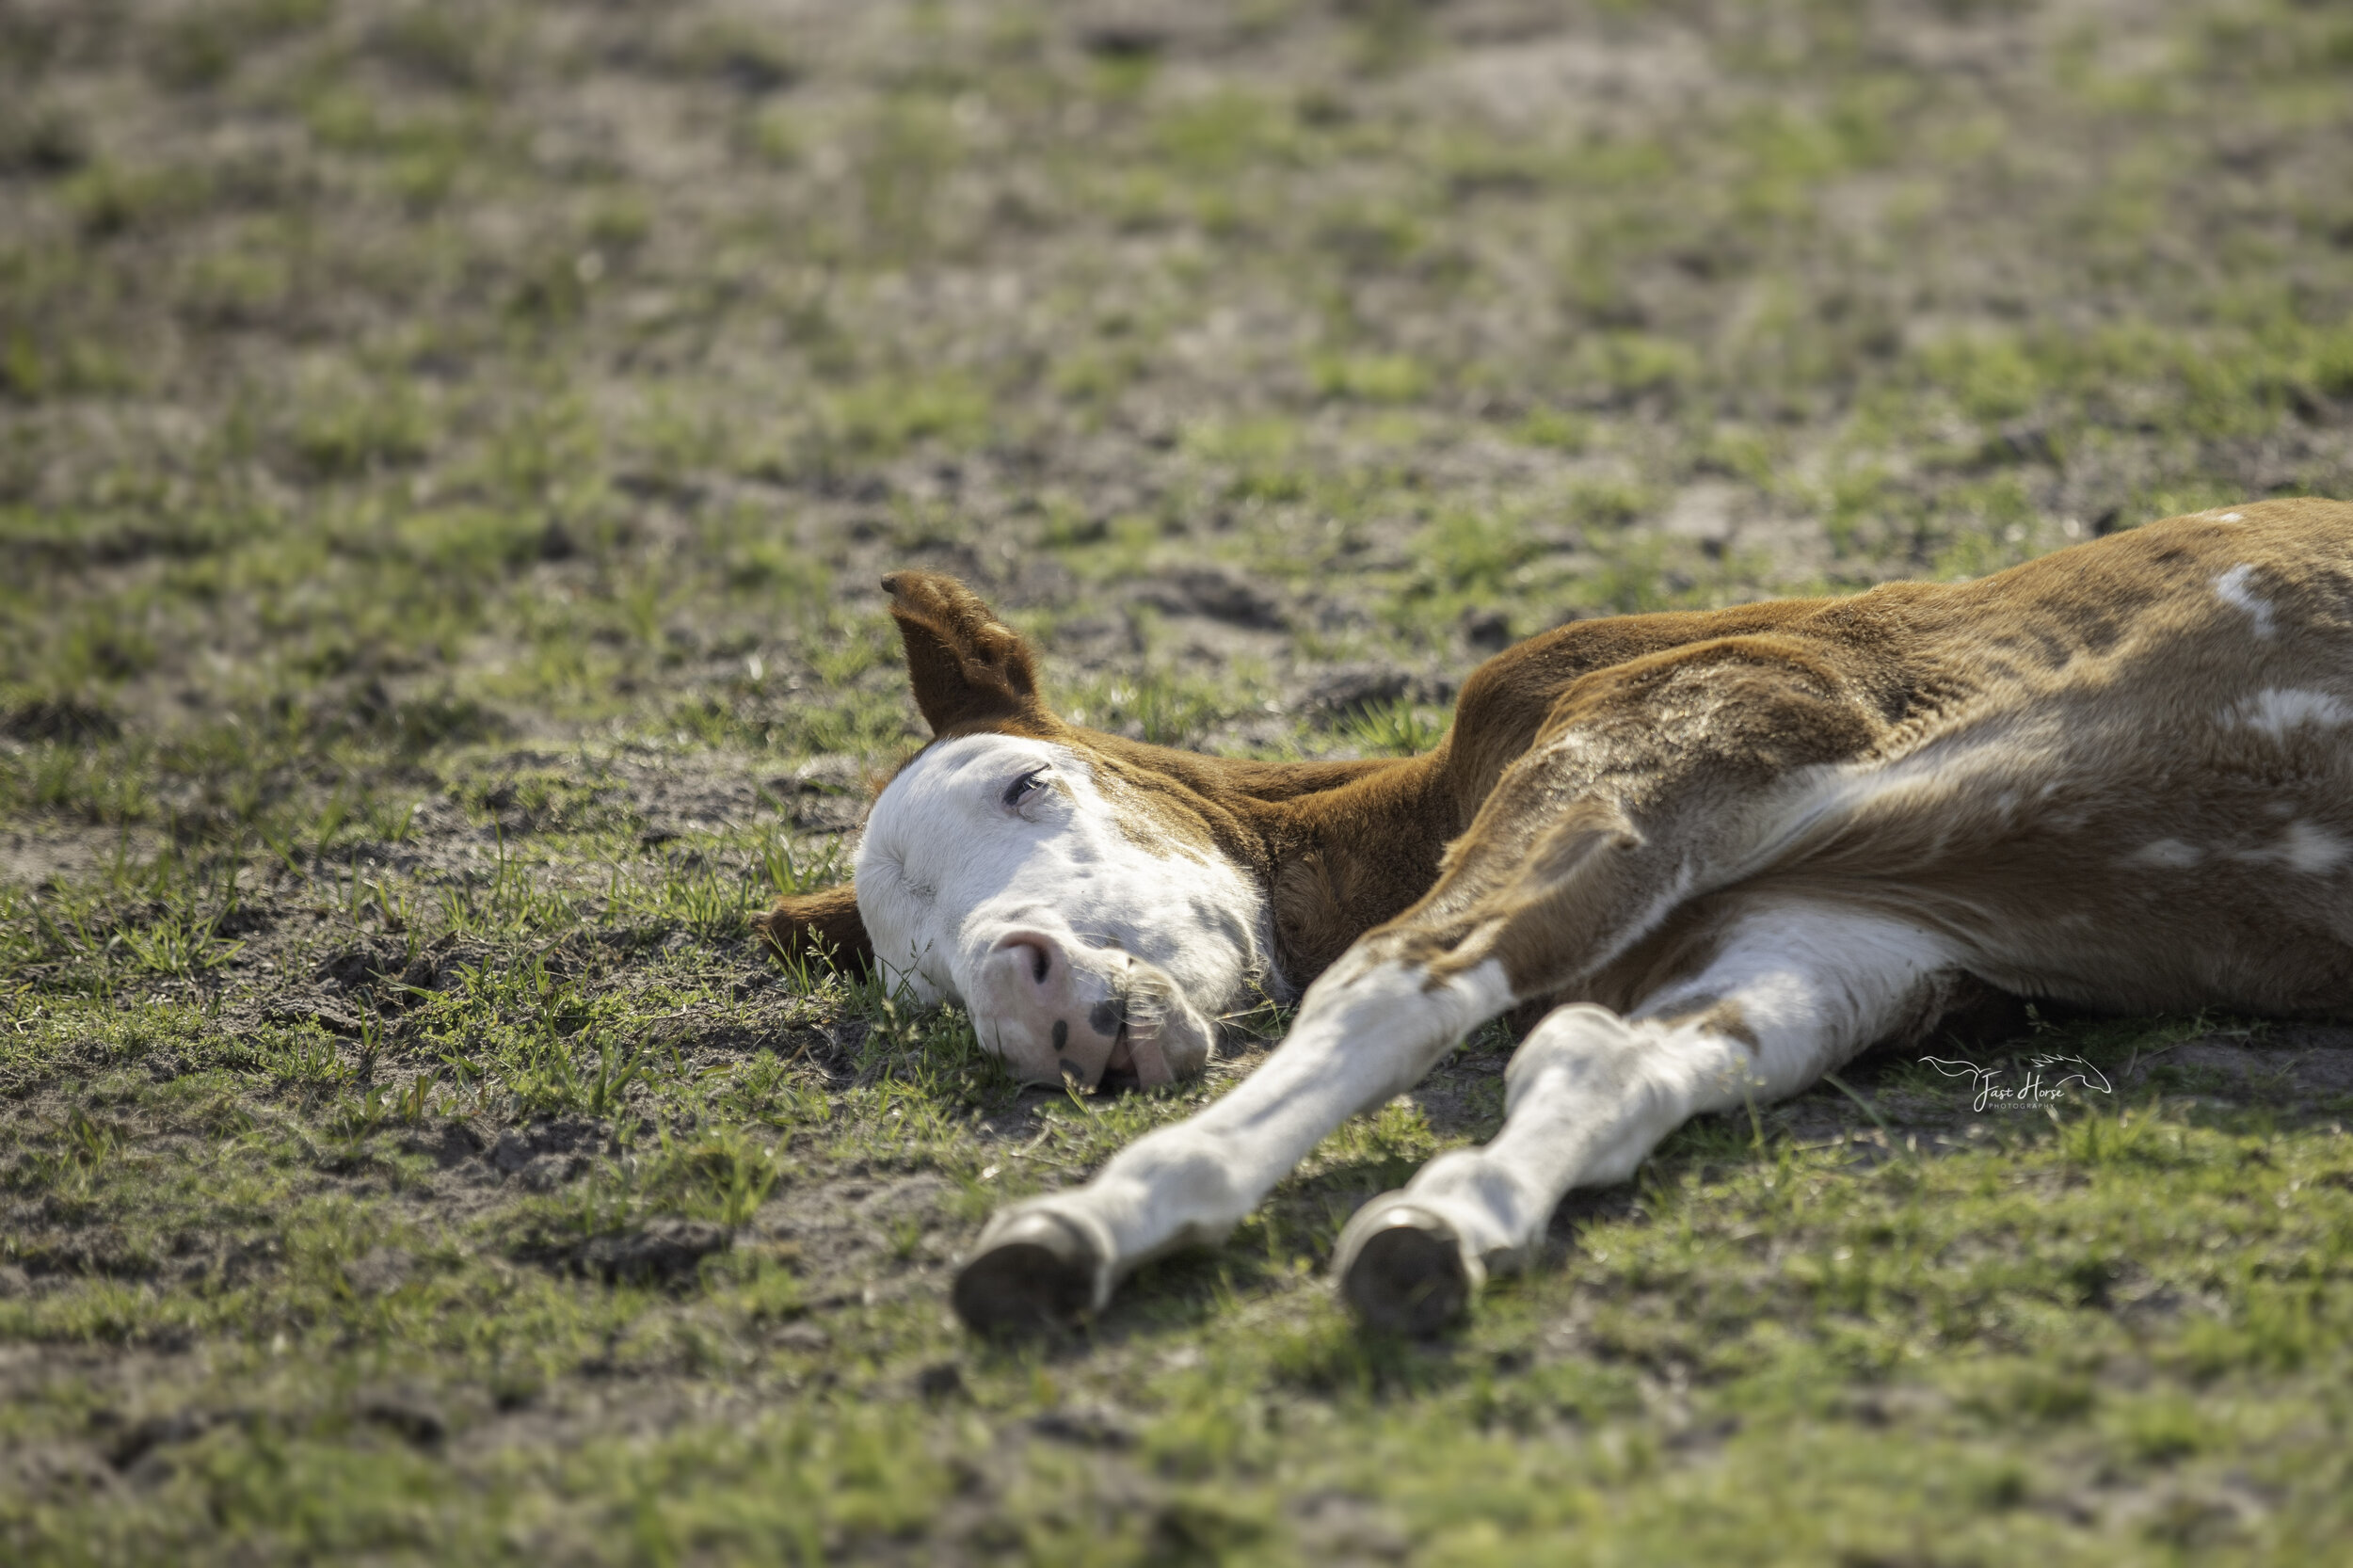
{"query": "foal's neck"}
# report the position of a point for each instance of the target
(1344, 859)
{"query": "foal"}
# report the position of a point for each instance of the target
(1719, 854)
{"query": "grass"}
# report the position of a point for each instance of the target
(446, 459)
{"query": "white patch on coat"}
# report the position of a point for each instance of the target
(2302, 848)
(2168, 854)
(2277, 709)
(2232, 588)
(948, 865)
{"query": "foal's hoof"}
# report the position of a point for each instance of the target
(1035, 1272)
(1402, 1270)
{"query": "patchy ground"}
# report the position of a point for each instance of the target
(446, 455)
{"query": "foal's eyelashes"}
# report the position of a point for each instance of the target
(1023, 787)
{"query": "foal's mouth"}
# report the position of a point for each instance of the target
(1119, 1075)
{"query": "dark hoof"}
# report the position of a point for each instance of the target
(1034, 1275)
(1407, 1274)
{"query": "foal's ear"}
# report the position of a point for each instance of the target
(968, 669)
(815, 924)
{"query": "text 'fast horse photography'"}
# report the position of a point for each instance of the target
(1176, 782)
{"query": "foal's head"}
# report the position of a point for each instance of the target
(1095, 903)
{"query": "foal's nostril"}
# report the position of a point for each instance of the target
(1034, 949)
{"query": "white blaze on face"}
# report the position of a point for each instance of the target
(997, 872)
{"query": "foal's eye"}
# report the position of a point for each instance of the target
(1024, 789)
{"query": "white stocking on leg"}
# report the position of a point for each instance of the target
(1792, 993)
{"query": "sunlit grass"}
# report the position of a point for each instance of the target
(446, 459)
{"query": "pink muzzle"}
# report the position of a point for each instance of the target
(1059, 1014)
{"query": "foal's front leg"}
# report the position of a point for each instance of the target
(1368, 1029)
(1793, 991)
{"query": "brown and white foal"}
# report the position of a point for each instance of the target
(1723, 853)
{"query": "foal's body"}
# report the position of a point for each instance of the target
(1718, 854)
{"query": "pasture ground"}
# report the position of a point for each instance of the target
(446, 455)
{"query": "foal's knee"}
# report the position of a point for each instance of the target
(1580, 1044)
